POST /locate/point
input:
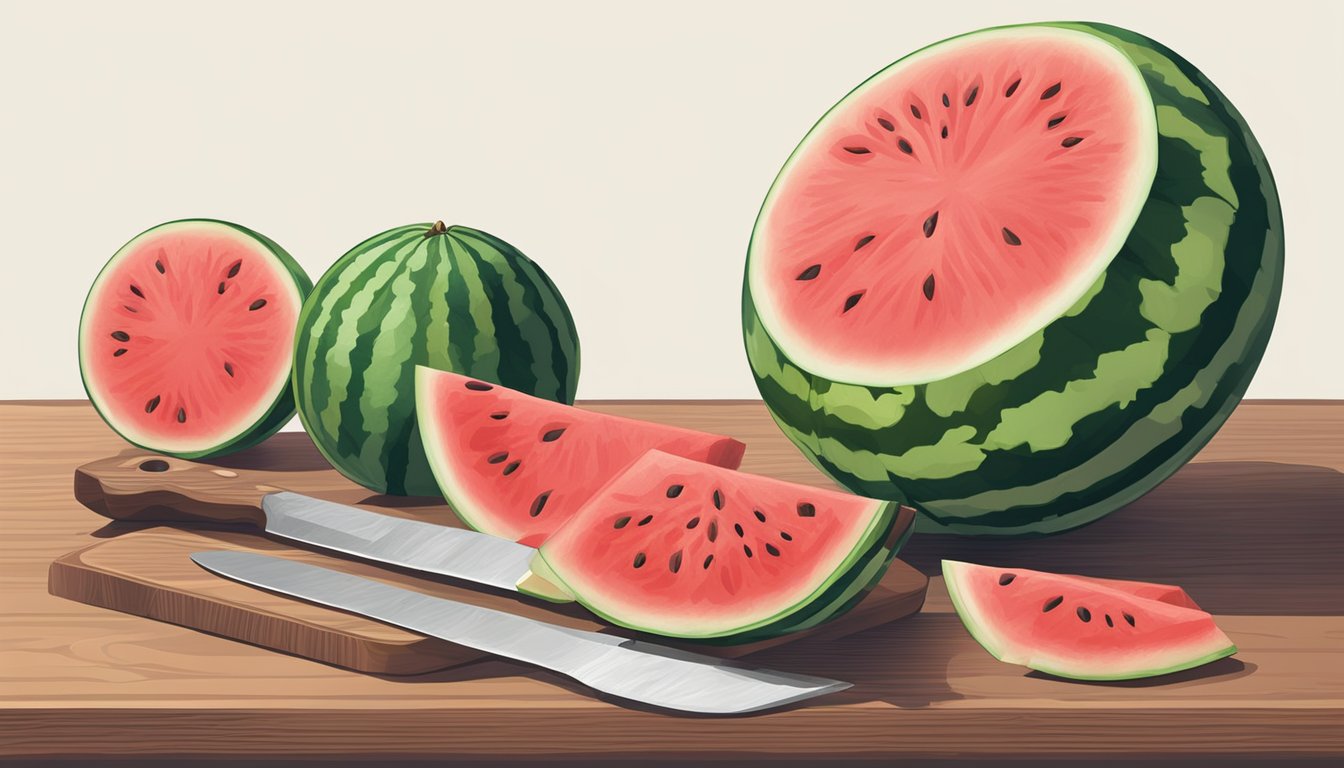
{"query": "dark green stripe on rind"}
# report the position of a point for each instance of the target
(1103, 403)
(402, 299)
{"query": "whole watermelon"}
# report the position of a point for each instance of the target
(451, 298)
(937, 198)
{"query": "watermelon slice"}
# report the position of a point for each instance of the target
(681, 548)
(1080, 627)
(518, 466)
(185, 343)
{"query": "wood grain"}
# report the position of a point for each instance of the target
(150, 573)
(1251, 529)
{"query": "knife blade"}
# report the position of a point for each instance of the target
(630, 669)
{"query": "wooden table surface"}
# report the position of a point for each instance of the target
(1252, 529)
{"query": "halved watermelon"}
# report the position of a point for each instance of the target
(685, 549)
(518, 466)
(187, 337)
(1080, 627)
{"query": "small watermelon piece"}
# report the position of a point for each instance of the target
(1079, 627)
(518, 466)
(685, 549)
(186, 338)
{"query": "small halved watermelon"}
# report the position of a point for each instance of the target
(518, 466)
(681, 548)
(187, 335)
(1080, 627)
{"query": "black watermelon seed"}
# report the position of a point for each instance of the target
(1055, 121)
(511, 467)
(673, 491)
(136, 290)
(709, 559)
(1007, 579)
(772, 549)
(129, 308)
(713, 532)
(539, 503)
(254, 306)
(1084, 614)
(674, 562)
(1128, 618)
(852, 301)
(1052, 604)
(237, 265)
(553, 435)
(621, 522)
(181, 415)
(718, 499)
(121, 336)
(119, 352)
(1010, 238)
(858, 150)
(639, 560)
(498, 457)
(928, 287)
(806, 509)
(746, 549)
(785, 536)
(905, 146)
(946, 101)
(740, 533)
(1109, 623)
(1008, 94)
(970, 97)
(1050, 92)
(228, 368)
(694, 521)
(479, 386)
(647, 519)
(810, 273)
(759, 515)
(221, 289)
(152, 404)
(159, 266)
(1071, 141)
(886, 124)
(915, 111)
(866, 239)
(944, 133)
(930, 224)
(499, 415)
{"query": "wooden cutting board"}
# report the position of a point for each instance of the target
(149, 573)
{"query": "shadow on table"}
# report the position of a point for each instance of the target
(1242, 537)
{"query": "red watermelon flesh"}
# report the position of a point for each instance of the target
(519, 466)
(1080, 628)
(187, 337)
(684, 549)
(1162, 593)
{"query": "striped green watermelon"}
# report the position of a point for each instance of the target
(1016, 278)
(451, 298)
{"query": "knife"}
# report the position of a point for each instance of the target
(630, 669)
(149, 487)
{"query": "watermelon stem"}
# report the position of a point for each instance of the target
(438, 229)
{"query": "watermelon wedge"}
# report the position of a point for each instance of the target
(685, 549)
(1082, 628)
(518, 466)
(186, 339)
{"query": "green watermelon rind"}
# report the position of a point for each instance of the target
(867, 547)
(282, 408)
(990, 645)
(926, 444)
(463, 301)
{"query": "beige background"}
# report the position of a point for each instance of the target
(624, 146)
